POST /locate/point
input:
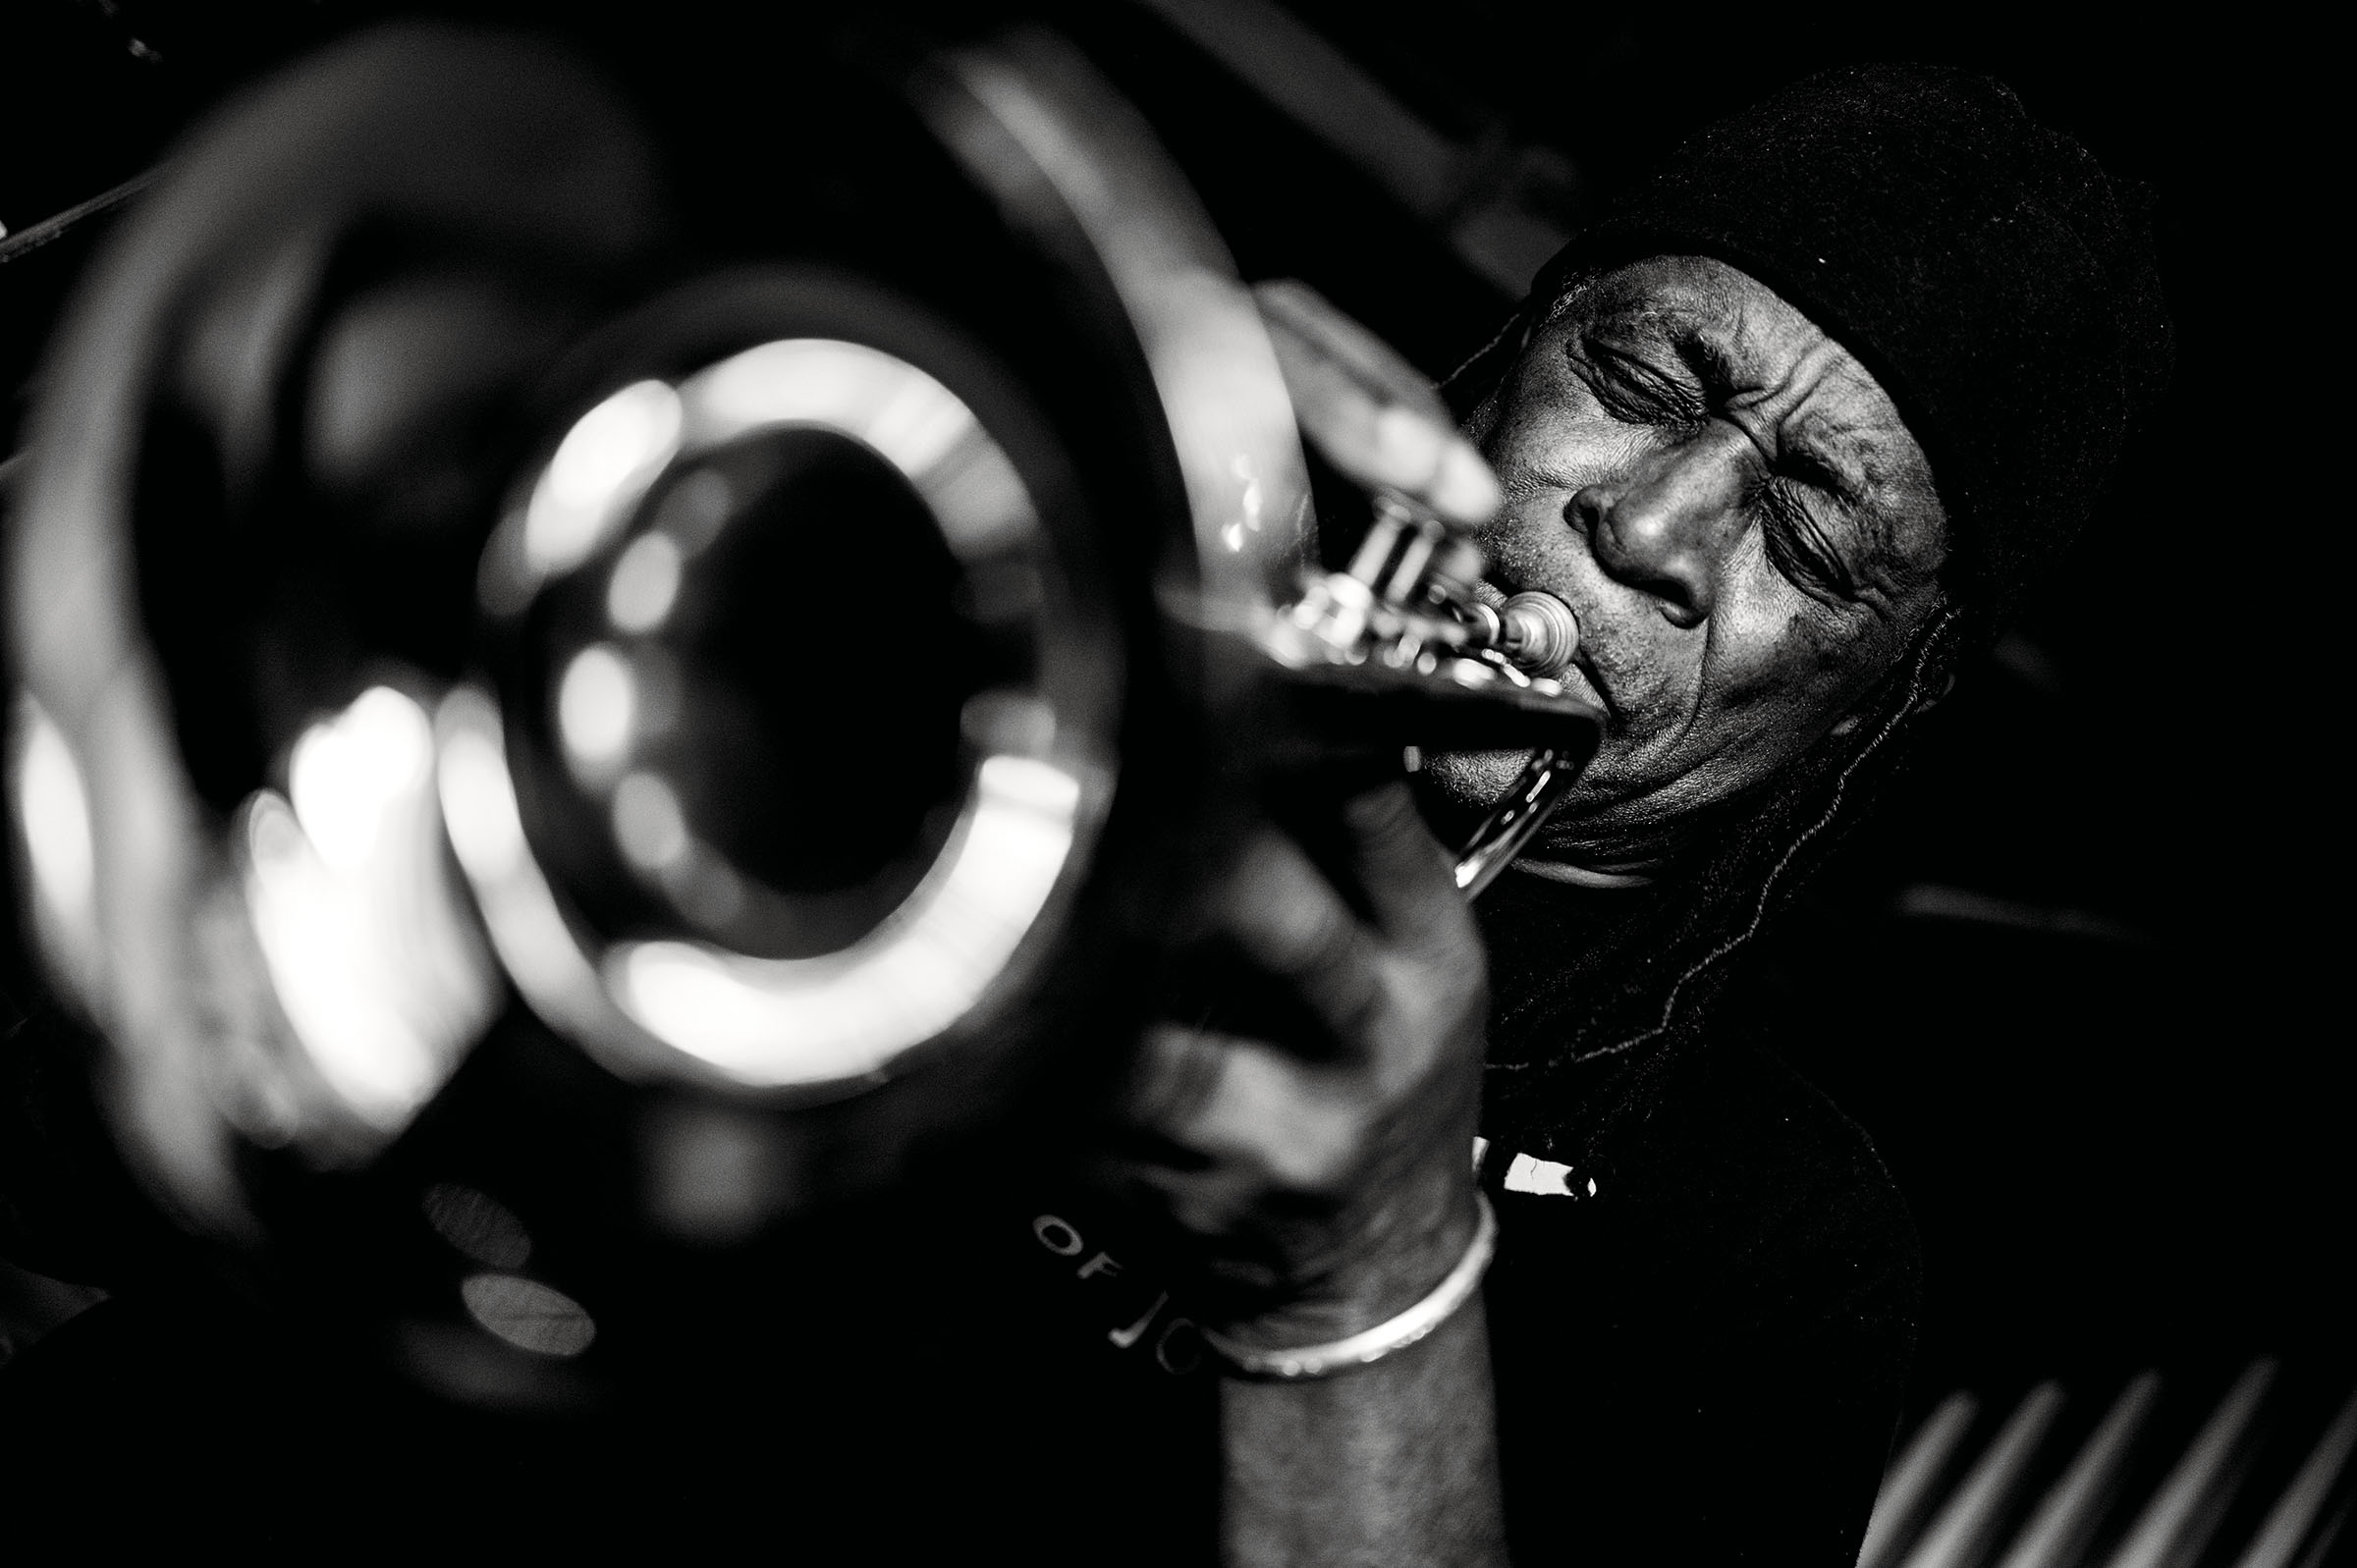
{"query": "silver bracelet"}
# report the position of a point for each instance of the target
(1304, 1362)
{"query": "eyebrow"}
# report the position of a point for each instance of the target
(1701, 351)
(1643, 332)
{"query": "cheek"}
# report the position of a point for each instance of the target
(1776, 676)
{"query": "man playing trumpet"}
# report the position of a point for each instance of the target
(1784, 438)
(1788, 435)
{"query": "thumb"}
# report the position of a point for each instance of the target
(1369, 411)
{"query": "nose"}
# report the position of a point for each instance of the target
(1667, 525)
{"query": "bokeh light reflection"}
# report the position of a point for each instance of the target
(603, 464)
(476, 1224)
(645, 583)
(53, 812)
(528, 1315)
(781, 1021)
(371, 953)
(598, 709)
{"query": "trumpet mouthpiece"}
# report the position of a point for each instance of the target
(1539, 633)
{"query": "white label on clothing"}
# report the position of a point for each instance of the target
(1547, 1178)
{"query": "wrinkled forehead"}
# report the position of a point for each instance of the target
(1656, 286)
(1746, 344)
(1707, 311)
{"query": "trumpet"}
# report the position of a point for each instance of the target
(1411, 609)
(345, 788)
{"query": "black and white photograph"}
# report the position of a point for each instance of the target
(1264, 783)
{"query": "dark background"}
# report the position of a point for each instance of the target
(2083, 978)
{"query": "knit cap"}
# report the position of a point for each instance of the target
(1993, 278)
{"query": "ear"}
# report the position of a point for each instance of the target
(1482, 421)
(1936, 694)
(1932, 698)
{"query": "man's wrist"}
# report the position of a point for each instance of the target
(1299, 1363)
(1399, 1259)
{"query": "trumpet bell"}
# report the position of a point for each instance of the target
(535, 665)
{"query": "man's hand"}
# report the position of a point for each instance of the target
(1326, 1177)
(1369, 411)
(1317, 1147)
(1323, 1170)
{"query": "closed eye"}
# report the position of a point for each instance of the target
(1799, 547)
(1810, 468)
(1633, 390)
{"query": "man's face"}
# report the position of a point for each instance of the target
(1733, 510)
